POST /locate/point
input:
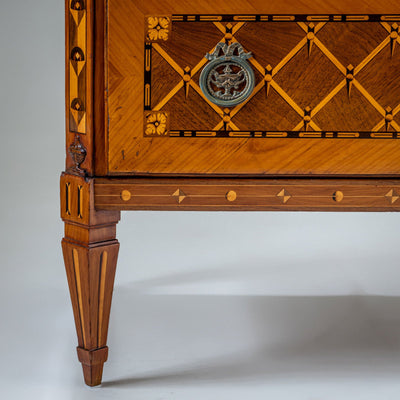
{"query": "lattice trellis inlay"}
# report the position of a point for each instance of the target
(306, 50)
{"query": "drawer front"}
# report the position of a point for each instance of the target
(207, 90)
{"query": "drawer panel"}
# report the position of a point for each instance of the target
(201, 91)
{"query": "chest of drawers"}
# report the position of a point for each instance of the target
(222, 105)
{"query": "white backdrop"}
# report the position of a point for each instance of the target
(182, 264)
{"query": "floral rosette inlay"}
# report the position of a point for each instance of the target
(156, 124)
(158, 28)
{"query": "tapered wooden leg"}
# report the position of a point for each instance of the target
(90, 253)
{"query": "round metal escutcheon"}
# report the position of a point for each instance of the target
(227, 81)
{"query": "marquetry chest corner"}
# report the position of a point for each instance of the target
(219, 106)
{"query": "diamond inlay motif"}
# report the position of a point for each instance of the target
(381, 78)
(276, 111)
(364, 113)
(367, 35)
(179, 195)
(273, 51)
(284, 196)
(319, 83)
(392, 196)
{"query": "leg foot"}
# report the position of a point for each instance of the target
(92, 364)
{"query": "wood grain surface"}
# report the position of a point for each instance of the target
(90, 254)
(247, 194)
(79, 58)
(317, 80)
(132, 69)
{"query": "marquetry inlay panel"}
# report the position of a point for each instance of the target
(317, 76)
(325, 91)
(77, 78)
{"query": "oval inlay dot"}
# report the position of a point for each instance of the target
(126, 195)
(231, 195)
(338, 196)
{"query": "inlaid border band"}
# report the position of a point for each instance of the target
(387, 128)
(287, 18)
(317, 194)
(77, 66)
(287, 134)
